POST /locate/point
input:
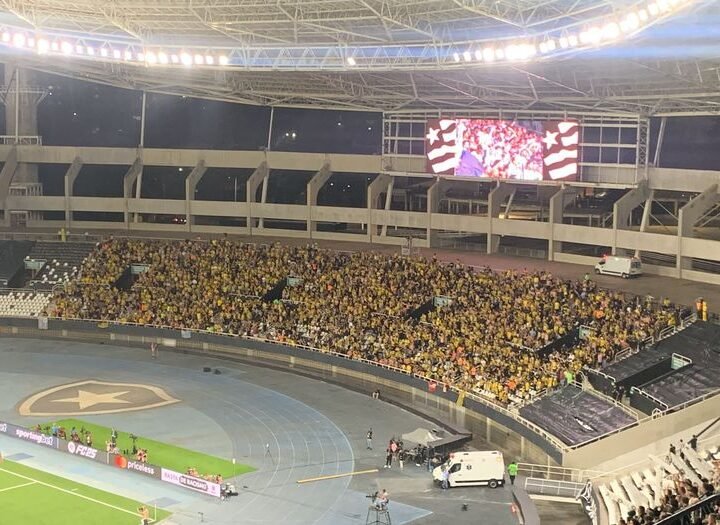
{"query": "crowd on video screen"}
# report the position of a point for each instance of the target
(500, 149)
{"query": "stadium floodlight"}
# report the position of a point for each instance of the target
(174, 59)
(19, 40)
(499, 53)
(6, 36)
(151, 58)
(162, 57)
(489, 54)
(55, 46)
(90, 51)
(467, 56)
(642, 15)
(456, 57)
(564, 42)
(199, 60)
(141, 57)
(209, 60)
(653, 9)
(611, 31)
(186, 59)
(543, 47)
(223, 60)
(43, 46)
(478, 55)
(573, 40)
(351, 61)
(103, 52)
(66, 48)
(79, 49)
(116, 54)
(31, 42)
(664, 5)
(127, 55)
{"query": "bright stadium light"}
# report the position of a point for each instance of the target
(103, 52)
(151, 58)
(351, 61)
(19, 40)
(223, 60)
(90, 51)
(653, 9)
(127, 55)
(66, 48)
(199, 60)
(499, 53)
(551, 45)
(31, 42)
(467, 56)
(573, 40)
(564, 42)
(209, 60)
(141, 56)
(456, 57)
(79, 49)
(186, 59)
(174, 59)
(489, 54)
(43, 46)
(117, 54)
(642, 15)
(55, 46)
(611, 31)
(478, 54)
(162, 57)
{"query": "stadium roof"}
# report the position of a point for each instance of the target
(651, 57)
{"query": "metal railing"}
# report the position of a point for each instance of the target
(551, 487)
(21, 140)
(565, 474)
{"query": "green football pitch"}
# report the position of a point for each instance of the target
(159, 453)
(30, 496)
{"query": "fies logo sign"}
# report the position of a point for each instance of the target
(81, 450)
(94, 397)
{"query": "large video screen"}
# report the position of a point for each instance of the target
(503, 149)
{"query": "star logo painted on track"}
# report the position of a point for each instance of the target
(94, 397)
(86, 399)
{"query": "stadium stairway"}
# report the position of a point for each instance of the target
(12, 266)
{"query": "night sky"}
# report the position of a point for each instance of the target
(77, 113)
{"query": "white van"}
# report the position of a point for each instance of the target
(485, 467)
(623, 266)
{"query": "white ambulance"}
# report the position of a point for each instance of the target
(623, 266)
(485, 467)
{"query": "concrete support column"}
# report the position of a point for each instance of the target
(388, 204)
(314, 186)
(6, 177)
(191, 183)
(70, 175)
(496, 197)
(623, 207)
(557, 208)
(259, 176)
(375, 189)
(688, 216)
(131, 175)
(21, 102)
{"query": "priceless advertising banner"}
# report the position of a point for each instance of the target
(189, 482)
(135, 466)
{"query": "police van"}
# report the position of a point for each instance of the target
(477, 468)
(624, 267)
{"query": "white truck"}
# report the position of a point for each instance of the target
(484, 468)
(625, 267)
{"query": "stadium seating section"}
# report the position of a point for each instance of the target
(668, 484)
(575, 415)
(62, 262)
(23, 303)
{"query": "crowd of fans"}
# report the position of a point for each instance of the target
(678, 493)
(500, 149)
(484, 339)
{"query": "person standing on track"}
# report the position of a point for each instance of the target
(153, 350)
(368, 439)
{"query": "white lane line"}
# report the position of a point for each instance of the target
(17, 486)
(88, 498)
